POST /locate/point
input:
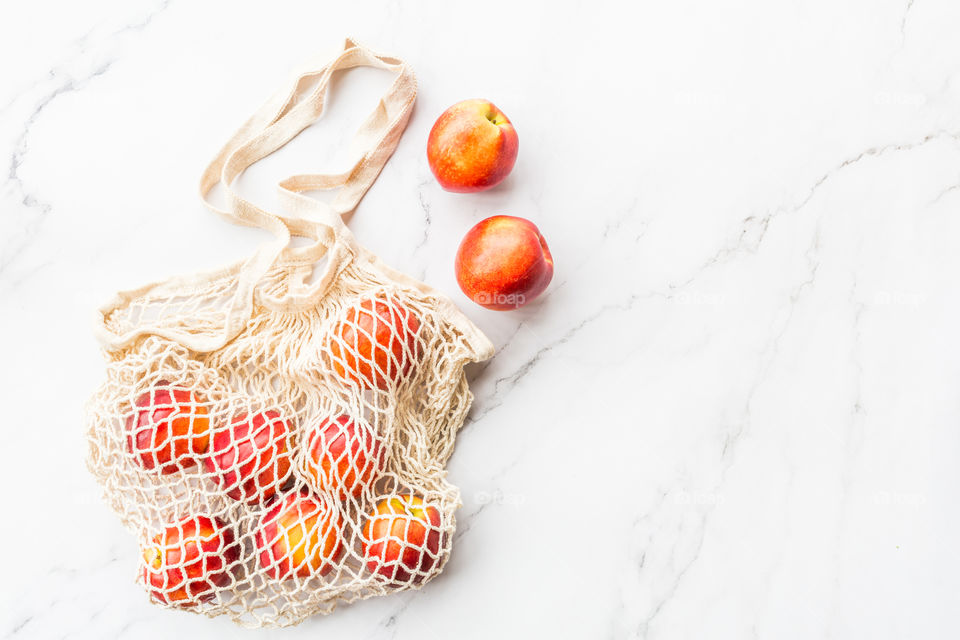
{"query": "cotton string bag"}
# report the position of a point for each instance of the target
(275, 432)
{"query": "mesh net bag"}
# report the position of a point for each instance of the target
(275, 432)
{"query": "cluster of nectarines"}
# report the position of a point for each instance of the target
(251, 460)
(503, 262)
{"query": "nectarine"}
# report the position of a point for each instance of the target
(186, 563)
(299, 536)
(251, 458)
(168, 429)
(402, 538)
(472, 146)
(375, 343)
(344, 455)
(503, 263)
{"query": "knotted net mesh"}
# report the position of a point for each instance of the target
(299, 466)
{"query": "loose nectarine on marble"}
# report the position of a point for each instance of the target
(472, 146)
(374, 345)
(503, 263)
(168, 429)
(344, 455)
(189, 560)
(300, 535)
(251, 458)
(402, 538)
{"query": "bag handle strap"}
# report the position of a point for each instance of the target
(280, 120)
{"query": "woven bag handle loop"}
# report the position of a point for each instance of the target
(280, 120)
(276, 123)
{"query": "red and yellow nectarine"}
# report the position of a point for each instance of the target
(503, 263)
(299, 536)
(375, 343)
(344, 456)
(186, 563)
(168, 429)
(472, 146)
(251, 459)
(402, 538)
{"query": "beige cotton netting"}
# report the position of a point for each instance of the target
(275, 433)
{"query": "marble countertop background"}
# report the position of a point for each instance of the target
(734, 414)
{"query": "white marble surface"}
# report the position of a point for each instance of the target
(735, 413)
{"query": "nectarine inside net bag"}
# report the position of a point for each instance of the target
(275, 432)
